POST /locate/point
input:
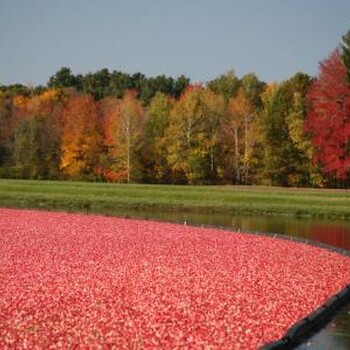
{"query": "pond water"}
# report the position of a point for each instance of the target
(334, 233)
(336, 334)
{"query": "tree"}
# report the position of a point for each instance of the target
(131, 114)
(122, 125)
(166, 85)
(97, 84)
(180, 85)
(225, 85)
(81, 137)
(192, 136)
(31, 141)
(36, 134)
(302, 142)
(154, 146)
(63, 78)
(47, 109)
(11, 91)
(238, 135)
(111, 168)
(328, 118)
(121, 82)
(5, 136)
(284, 163)
(253, 89)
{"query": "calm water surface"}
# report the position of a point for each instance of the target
(336, 334)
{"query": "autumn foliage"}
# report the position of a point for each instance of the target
(80, 136)
(329, 117)
(111, 126)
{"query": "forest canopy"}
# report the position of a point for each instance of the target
(120, 127)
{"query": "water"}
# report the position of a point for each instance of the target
(333, 233)
(336, 334)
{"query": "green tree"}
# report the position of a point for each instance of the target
(275, 162)
(180, 85)
(5, 139)
(121, 82)
(252, 88)
(36, 133)
(154, 146)
(97, 84)
(302, 142)
(11, 91)
(284, 161)
(31, 143)
(151, 86)
(225, 85)
(63, 78)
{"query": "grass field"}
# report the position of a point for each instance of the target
(111, 198)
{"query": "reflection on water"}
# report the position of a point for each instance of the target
(330, 232)
(337, 235)
(336, 335)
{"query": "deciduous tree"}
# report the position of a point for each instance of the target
(192, 136)
(328, 117)
(81, 137)
(153, 152)
(122, 125)
(238, 135)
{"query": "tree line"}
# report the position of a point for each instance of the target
(117, 127)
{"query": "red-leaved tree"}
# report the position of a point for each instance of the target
(328, 118)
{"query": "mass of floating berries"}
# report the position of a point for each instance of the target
(78, 281)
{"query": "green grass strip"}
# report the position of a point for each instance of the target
(106, 198)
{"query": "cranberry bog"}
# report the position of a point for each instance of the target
(84, 281)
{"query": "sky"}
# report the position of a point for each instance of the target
(201, 39)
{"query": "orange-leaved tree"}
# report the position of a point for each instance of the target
(81, 139)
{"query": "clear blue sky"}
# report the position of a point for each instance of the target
(199, 38)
